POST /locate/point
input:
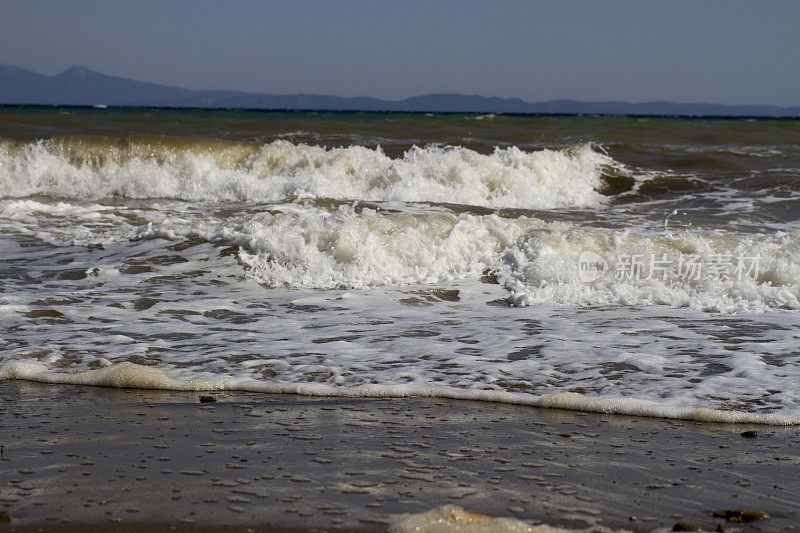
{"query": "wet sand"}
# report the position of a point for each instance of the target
(86, 458)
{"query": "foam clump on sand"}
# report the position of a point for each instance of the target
(574, 401)
(122, 375)
(451, 518)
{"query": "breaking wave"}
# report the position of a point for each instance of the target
(534, 260)
(196, 170)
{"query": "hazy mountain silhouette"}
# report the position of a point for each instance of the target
(82, 86)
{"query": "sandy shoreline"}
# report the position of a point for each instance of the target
(110, 458)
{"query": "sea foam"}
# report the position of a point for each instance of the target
(98, 168)
(130, 375)
(454, 519)
(534, 260)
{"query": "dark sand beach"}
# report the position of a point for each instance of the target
(87, 458)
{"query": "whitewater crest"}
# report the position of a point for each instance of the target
(534, 260)
(346, 249)
(215, 171)
(355, 247)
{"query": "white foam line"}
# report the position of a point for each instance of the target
(130, 375)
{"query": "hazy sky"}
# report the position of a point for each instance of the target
(730, 52)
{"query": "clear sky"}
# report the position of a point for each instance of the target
(729, 52)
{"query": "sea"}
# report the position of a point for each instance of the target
(636, 265)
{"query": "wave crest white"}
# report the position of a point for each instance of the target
(368, 249)
(535, 261)
(509, 177)
(545, 267)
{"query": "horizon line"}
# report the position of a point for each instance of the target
(389, 100)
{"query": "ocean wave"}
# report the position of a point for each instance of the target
(347, 249)
(718, 272)
(217, 171)
(535, 261)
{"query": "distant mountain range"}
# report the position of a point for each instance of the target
(81, 86)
